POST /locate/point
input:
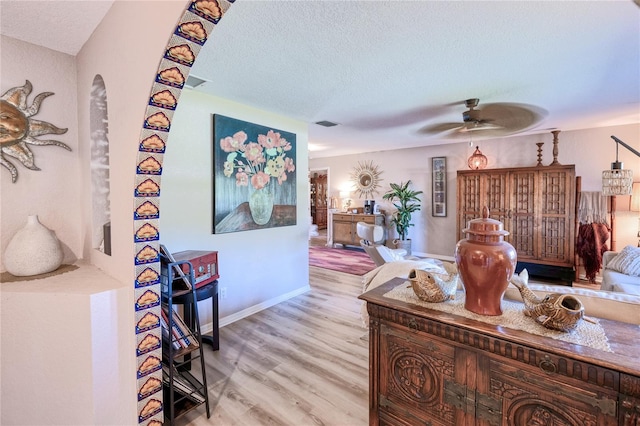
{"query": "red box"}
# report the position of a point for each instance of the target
(205, 265)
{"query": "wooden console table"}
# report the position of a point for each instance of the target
(344, 227)
(431, 367)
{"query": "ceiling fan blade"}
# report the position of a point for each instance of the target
(439, 128)
(490, 120)
(481, 126)
(408, 117)
(512, 117)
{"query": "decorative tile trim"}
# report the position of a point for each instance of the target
(191, 33)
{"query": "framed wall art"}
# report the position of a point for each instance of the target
(439, 186)
(254, 176)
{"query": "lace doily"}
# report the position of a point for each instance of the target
(585, 334)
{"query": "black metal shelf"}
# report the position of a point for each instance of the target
(183, 391)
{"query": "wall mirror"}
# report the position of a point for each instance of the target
(366, 179)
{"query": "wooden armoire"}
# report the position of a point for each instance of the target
(537, 205)
(319, 200)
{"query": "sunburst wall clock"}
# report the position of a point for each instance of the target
(18, 129)
(366, 179)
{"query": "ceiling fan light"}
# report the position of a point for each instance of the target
(477, 160)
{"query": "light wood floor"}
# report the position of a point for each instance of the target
(302, 362)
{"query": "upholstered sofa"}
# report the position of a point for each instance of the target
(621, 271)
(600, 304)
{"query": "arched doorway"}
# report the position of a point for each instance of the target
(191, 33)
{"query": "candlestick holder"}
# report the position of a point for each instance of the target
(555, 148)
(539, 144)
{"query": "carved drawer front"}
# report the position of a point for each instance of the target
(544, 396)
(412, 379)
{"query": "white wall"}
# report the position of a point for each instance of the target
(53, 192)
(257, 265)
(591, 150)
(62, 346)
(127, 60)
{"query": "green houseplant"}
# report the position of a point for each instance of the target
(406, 201)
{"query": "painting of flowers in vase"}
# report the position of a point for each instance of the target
(254, 176)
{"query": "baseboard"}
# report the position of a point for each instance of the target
(208, 327)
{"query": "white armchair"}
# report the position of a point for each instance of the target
(371, 237)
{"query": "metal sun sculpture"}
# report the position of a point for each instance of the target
(18, 129)
(366, 179)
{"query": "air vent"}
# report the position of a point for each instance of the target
(194, 82)
(326, 123)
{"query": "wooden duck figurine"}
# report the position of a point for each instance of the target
(555, 311)
(435, 287)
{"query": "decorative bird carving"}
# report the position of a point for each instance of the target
(555, 311)
(435, 287)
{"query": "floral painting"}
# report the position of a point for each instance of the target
(254, 178)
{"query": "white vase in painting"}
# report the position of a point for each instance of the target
(33, 250)
(261, 205)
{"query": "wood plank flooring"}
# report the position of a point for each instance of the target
(302, 362)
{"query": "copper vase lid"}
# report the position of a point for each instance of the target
(485, 229)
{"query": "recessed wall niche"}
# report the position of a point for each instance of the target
(100, 192)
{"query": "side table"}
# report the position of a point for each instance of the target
(204, 292)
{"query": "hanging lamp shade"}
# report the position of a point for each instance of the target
(617, 180)
(477, 160)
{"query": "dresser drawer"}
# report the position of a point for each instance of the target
(367, 219)
(342, 217)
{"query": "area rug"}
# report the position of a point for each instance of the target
(349, 261)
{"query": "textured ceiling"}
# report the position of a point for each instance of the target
(384, 70)
(59, 25)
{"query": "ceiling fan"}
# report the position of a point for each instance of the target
(496, 119)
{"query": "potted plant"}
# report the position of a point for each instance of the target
(406, 201)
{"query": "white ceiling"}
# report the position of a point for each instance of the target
(385, 69)
(62, 25)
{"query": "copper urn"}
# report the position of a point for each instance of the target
(486, 263)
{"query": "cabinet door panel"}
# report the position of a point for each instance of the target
(415, 375)
(469, 200)
(342, 232)
(522, 213)
(496, 195)
(321, 217)
(530, 396)
(557, 197)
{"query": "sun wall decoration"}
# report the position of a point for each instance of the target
(18, 129)
(366, 179)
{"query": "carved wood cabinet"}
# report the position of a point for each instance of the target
(318, 192)
(537, 205)
(433, 368)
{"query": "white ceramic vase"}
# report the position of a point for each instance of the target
(33, 250)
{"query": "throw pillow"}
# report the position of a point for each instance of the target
(627, 261)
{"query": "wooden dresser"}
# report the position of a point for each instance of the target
(344, 226)
(432, 368)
